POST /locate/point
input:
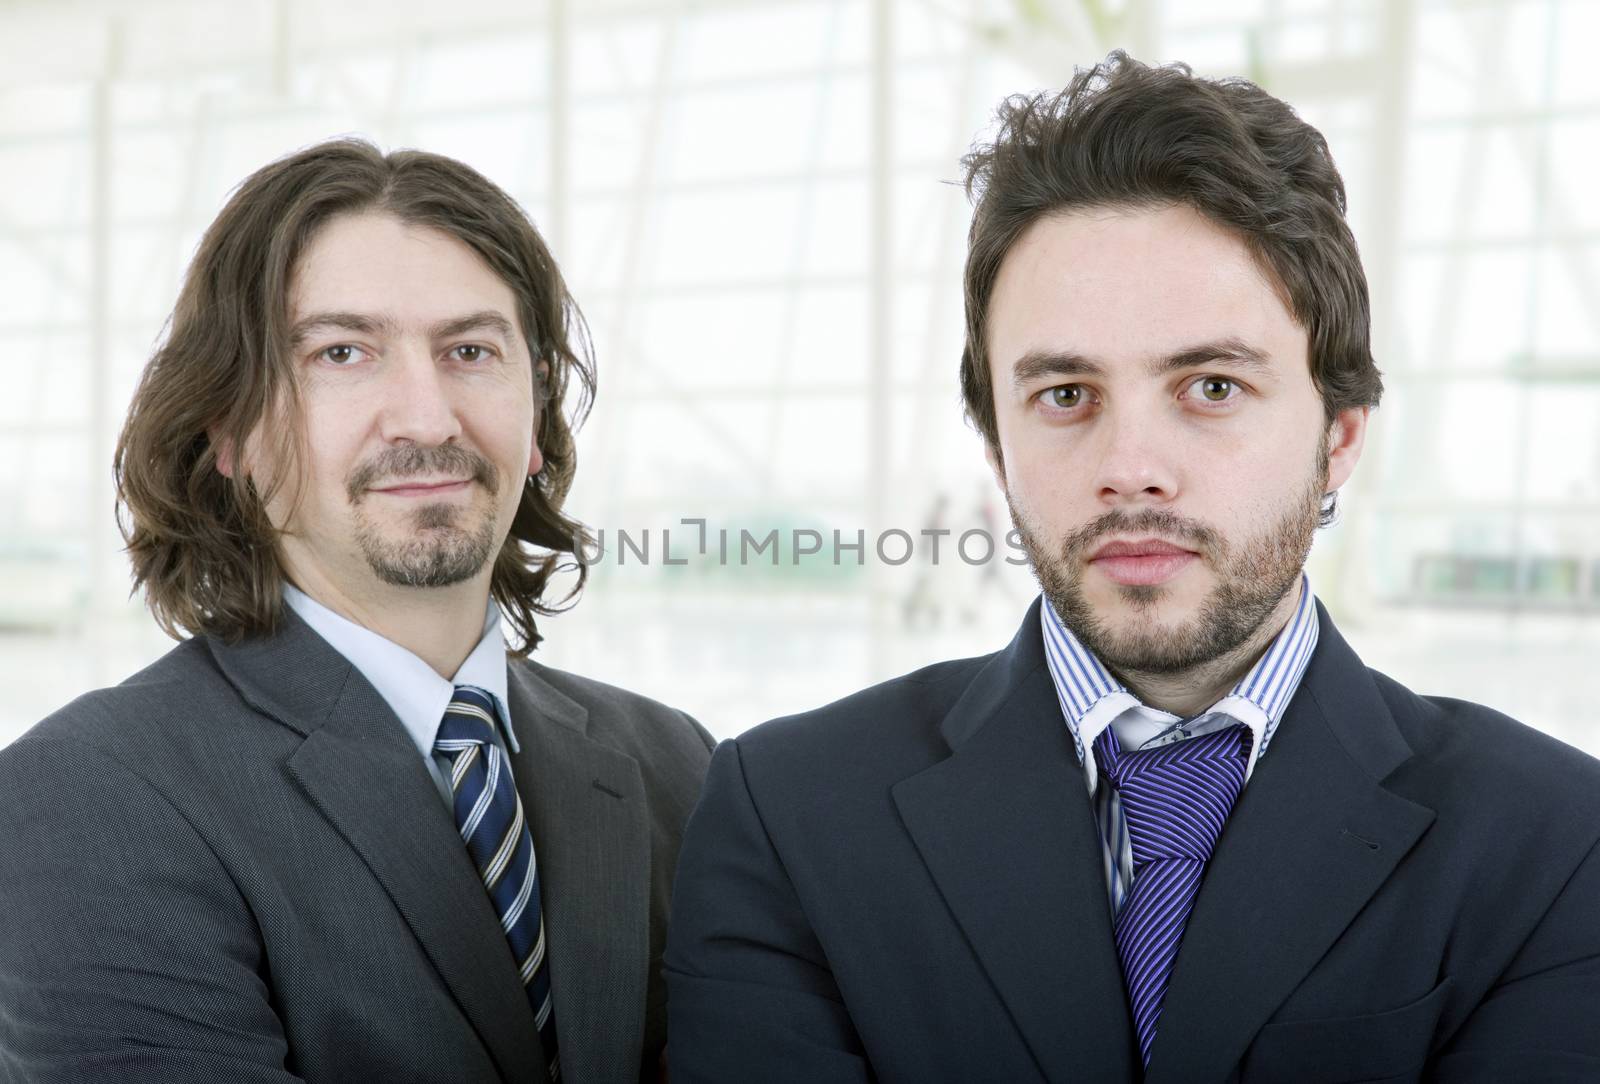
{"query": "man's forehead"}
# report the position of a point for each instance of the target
(385, 275)
(1135, 287)
(1166, 256)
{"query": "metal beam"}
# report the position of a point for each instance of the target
(880, 315)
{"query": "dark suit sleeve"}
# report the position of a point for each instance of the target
(126, 951)
(1538, 1021)
(751, 996)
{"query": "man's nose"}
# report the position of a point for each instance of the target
(1138, 459)
(419, 406)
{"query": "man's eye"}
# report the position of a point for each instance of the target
(1066, 396)
(471, 352)
(342, 354)
(1216, 389)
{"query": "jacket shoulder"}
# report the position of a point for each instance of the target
(1465, 732)
(893, 722)
(631, 720)
(1486, 764)
(128, 714)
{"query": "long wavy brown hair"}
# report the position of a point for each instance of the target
(202, 546)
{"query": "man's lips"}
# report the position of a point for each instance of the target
(425, 488)
(1148, 547)
(1141, 563)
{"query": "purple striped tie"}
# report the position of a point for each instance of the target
(1176, 799)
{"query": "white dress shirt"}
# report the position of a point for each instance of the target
(411, 688)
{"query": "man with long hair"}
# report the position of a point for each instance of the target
(1176, 831)
(340, 832)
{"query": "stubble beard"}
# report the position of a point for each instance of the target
(441, 544)
(1252, 579)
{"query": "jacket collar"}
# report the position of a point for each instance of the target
(1313, 837)
(1006, 830)
(360, 770)
(1008, 833)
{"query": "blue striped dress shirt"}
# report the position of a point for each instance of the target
(1091, 700)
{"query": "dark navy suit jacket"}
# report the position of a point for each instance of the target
(907, 886)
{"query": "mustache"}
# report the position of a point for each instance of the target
(410, 460)
(1151, 521)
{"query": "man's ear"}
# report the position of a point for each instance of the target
(997, 466)
(1346, 437)
(223, 447)
(541, 383)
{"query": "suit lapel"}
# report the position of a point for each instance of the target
(586, 808)
(1313, 837)
(361, 771)
(1007, 831)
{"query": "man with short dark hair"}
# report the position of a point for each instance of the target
(337, 834)
(1176, 830)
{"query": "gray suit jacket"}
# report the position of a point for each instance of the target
(235, 866)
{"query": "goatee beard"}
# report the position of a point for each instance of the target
(447, 554)
(439, 551)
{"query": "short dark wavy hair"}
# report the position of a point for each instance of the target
(202, 546)
(1123, 133)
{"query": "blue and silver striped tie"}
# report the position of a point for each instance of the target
(1177, 798)
(489, 815)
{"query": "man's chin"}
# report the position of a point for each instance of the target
(425, 569)
(1171, 603)
(1143, 626)
(440, 553)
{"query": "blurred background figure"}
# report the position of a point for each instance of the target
(753, 202)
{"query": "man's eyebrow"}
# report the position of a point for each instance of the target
(1037, 363)
(366, 324)
(486, 320)
(1236, 351)
(1042, 363)
(308, 326)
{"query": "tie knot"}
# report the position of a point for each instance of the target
(468, 720)
(1176, 797)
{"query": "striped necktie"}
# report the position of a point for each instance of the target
(1176, 799)
(489, 815)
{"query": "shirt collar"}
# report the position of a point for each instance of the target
(1092, 699)
(412, 689)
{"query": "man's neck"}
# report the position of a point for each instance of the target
(1187, 693)
(439, 625)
